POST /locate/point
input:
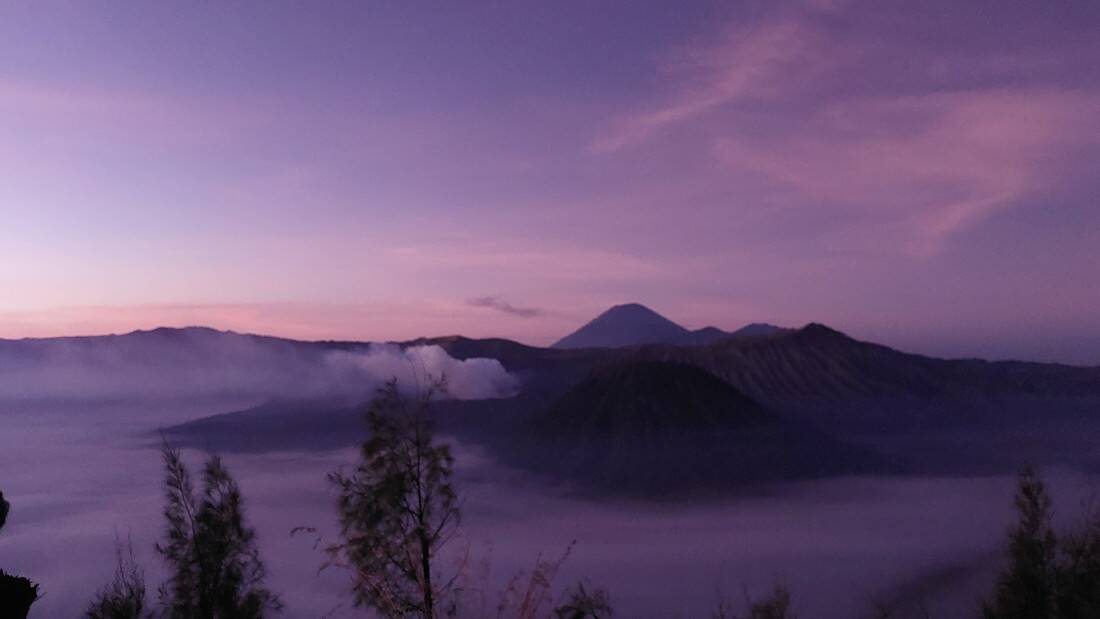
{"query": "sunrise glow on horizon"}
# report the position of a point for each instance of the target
(917, 174)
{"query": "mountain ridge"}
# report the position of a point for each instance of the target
(633, 324)
(824, 386)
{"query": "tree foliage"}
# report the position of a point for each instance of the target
(398, 509)
(777, 605)
(17, 594)
(529, 594)
(1078, 576)
(216, 571)
(585, 603)
(1048, 576)
(124, 597)
(1025, 590)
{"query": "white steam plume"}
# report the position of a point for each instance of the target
(185, 363)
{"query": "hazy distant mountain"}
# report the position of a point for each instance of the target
(194, 363)
(710, 335)
(624, 325)
(634, 324)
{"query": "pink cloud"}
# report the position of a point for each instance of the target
(934, 163)
(802, 117)
(748, 65)
(750, 61)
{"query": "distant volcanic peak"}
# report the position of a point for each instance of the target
(629, 324)
(629, 307)
(633, 324)
(816, 329)
(636, 312)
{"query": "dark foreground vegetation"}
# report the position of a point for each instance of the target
(16, 592)
(398, 510)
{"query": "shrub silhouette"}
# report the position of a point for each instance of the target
(1048, 577)
(585, 604)
(1078, 577)
(124, 597)
(397, 509)
(529, 591)
(17, 593)
(216, 568)
(776, 606)
(1025, 590)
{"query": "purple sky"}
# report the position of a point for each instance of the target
(921, 174)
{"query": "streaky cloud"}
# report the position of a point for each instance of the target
(496, 303)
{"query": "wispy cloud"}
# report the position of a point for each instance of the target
(808, 119)
(496, 303)
(748, 62)
(935, 163)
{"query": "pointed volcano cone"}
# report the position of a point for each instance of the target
(625, 325)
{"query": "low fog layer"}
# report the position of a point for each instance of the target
(168, 364)
(75, 479)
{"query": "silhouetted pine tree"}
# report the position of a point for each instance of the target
(17, 593)
(1078, 573)
(124, 597)
(216, 569)
(397, 509)
(1026, 589)
(585, 603)
(776, 606)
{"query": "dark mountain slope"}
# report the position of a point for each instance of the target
(822, 365)
(814, 365)
(650, 398)
(273, 426)
(659, 428)
(758, 329)
(943, 416)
